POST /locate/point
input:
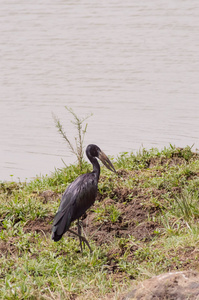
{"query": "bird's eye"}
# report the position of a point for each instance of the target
(94, 152)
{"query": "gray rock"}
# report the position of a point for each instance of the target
(171, 286)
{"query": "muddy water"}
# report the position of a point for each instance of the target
(133, 64)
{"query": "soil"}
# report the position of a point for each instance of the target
(39, 225)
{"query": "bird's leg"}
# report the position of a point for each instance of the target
(79, 233)
(82, 238)
(79, 224)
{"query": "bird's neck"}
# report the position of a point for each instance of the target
(96, 166)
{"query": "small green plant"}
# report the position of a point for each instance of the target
(79, 139)
(114, 213)
(187, 205)
(106, 213)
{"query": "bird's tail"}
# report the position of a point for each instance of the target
(55, 237)
(60, 226)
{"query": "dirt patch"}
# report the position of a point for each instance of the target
(133, 220)
(48, 196)
(8, 247)
(43, 225)
(135, 215)
(12, 245)
(156, 161)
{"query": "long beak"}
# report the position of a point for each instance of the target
(106, 161)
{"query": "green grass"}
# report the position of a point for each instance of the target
(158, 189)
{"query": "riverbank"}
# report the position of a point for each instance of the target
(144, 222)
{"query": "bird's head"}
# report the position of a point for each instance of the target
(95, 151)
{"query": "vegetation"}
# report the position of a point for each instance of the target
(144, 222)
(79, 139)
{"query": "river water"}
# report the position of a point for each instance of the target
(133, 64)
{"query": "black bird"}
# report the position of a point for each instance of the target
(79, 196)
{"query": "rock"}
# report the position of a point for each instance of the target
(172, 286)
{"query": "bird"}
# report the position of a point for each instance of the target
(79, 196)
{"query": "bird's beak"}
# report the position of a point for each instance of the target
(106, 161)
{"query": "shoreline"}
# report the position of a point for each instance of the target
(144, 222)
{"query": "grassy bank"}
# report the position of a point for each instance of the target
(145, 221)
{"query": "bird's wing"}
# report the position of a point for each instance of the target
(75, 201)
(64, 210)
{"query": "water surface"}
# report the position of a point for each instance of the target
(133, 64)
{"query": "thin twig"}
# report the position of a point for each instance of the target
(79, 140)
